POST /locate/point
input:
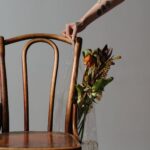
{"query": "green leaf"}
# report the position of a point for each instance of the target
(100, 84)
(80, 92)
(86, 52)
(94, 94)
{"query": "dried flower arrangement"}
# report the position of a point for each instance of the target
(98, 63)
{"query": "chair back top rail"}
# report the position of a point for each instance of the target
(34, 38)
(37, 35)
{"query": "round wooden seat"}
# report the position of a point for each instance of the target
(38, 140)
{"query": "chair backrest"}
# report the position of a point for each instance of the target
(35, 38)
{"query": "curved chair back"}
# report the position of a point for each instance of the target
(35, 38)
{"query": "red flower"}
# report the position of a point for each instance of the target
(89, 60)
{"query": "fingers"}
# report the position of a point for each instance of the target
(70, 32)
(63, 33)
(74, 34)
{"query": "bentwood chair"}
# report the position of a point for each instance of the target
(41, 140)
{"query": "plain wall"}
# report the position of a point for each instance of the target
(123, 115)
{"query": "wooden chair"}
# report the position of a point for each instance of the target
(43, 140)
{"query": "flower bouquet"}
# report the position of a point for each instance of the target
(98, 63)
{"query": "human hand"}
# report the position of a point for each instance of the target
(72, 29)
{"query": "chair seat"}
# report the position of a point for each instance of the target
(38, 140)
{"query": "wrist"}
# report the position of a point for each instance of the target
(82, 23)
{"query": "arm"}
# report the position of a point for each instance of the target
(97, 10)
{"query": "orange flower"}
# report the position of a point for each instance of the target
(89, 60)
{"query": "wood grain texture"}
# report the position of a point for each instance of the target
(74, 122)
(37, 35)
(40, 140)
(3, 88)
(25, 81)
(77, 50)
(34, 140)
(0, 115)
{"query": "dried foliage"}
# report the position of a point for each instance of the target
(98, 63)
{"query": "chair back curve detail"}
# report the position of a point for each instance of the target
(35, 38)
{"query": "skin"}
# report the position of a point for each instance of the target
(97, 10)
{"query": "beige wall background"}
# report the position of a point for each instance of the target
(123, 115)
